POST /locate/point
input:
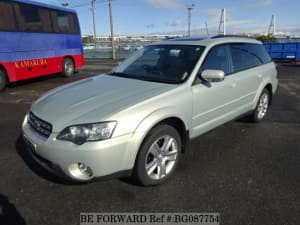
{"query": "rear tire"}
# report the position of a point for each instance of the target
(262, 107)
(3, 80)
(68, 67)
(158, 156)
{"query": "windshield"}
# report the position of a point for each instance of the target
(161, 63)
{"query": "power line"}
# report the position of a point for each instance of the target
(87, 4)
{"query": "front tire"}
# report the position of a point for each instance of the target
(158, 156)
(68, 67)
(262, 107)
(3, 80)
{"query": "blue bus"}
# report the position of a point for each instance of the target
(37, 39)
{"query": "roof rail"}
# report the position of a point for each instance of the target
(225, 36)
(187, 39)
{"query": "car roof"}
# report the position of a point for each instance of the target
(210, 41)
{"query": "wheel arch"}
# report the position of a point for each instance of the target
(2, 67)
(270, 90)
(267, 86)
(70, 57)
(175, 122)
(179, 125)
(164, 115)
(66, 70)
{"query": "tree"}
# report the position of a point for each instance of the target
(267, 38)
(88, 39)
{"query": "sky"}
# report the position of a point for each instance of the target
(134, 17)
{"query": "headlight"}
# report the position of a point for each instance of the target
(79, 134)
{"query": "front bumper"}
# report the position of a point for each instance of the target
(103, 158)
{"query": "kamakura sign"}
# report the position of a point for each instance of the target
(30, 63)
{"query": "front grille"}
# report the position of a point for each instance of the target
(40, 126)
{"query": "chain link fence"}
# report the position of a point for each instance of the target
(104, 49)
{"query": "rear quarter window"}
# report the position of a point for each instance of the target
(260, 52)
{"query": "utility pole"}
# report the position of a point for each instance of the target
(112, 31)
(206, 29)
(93, 14)
(189, 8)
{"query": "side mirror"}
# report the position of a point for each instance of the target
(213, 75)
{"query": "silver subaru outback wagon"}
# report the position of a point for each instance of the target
(138, 119)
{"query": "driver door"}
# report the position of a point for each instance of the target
(213, 102)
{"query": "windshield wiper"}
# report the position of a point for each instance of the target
(126, 75)
(121, 74)
(158, 80)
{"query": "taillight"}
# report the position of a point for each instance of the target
(276, 66)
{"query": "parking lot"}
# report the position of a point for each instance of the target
(249, 173)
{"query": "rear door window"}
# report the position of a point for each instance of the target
(247, 55)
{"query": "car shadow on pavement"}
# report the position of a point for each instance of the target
(23, 151)
(9, 215)
(291, 65)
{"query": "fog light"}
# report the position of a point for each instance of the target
(85, 169)
(81, 166)
(81, 171)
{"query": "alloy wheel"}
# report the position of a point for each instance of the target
(161, 157)
(263, 105)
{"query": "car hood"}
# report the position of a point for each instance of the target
(94, 99)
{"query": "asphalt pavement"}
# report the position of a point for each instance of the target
(249, 173)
